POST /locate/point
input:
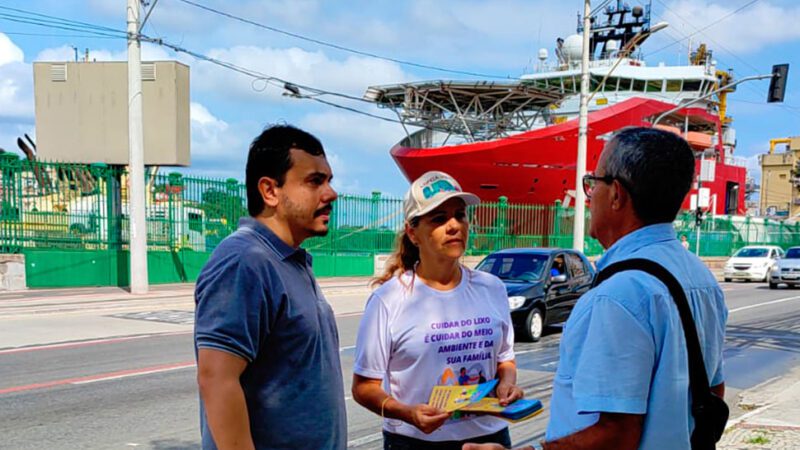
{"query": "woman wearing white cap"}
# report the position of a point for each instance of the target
(434, 322)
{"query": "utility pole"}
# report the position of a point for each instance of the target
(583, 120)
(136, 201)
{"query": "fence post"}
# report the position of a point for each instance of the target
(502, 221)
(374, 217)
(9, 206)
(233, 205)
(175, 181)
(99, 172)
(746, 230)
(333, 225)
(556, 235)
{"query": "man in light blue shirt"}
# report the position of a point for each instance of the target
(622, 379)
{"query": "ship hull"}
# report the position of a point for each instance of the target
(538, 166)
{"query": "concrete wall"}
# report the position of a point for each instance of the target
(12, 272)
(82, 112)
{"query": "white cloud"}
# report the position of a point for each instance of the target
(361, 134)
(16, 92)
(9, 52)
(200, 115)
(752, 29)
(212, 137)
(344, 180)
(16, 84)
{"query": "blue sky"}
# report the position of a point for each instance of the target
(499, 37)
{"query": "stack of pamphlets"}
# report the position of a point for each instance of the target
(473, 399)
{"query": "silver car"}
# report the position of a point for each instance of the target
(786, 270)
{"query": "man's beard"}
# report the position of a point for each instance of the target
(298, 215)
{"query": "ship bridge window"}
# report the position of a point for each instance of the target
(674, 85)
(611, 84)
(691, 85)
(570, 87)
(654, 85)
(625, 84)
(594, 82)
(638, 85)
(540, 84)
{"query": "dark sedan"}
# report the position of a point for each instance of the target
(543, 284)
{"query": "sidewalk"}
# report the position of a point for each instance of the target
(53, 316)
(773, 417)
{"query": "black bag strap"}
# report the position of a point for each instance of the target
(698, 380)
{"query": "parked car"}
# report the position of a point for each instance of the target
(543, 284)
(752, 263)
(786, 270)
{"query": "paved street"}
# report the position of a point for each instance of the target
(135, 388)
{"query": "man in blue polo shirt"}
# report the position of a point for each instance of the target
(622, 380)
(266, 342)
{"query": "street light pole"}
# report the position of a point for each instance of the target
(710, 94)
(698, 222)
(136, 199)
(583, 122)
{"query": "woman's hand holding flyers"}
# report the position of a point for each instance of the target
(508, 393)
(427, 418)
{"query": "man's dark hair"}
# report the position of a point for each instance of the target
(656, 167)
(270, 156)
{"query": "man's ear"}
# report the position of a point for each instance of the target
(620, 197)
(268, 188)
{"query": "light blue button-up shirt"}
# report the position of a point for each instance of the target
(623, 348)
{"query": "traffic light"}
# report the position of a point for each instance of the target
(698, 217)
(777, 84)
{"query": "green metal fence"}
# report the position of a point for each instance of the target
(71, 222)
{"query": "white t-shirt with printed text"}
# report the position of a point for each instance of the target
(416, 337)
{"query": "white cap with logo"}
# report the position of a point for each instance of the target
(431, 190)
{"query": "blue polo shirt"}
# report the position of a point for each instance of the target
(623, 348)
(257, 299)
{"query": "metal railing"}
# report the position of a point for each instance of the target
(76, 206)
(85, 207)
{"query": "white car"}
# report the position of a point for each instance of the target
(752, 263)
(786, 270)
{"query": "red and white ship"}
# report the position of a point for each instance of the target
(518, 138)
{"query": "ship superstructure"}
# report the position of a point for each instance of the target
(518, 138)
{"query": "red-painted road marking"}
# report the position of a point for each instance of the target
(101, 377)
(88, 343)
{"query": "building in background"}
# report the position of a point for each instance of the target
(82, 112)
(780, 179)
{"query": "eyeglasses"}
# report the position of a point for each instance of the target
(590, 181)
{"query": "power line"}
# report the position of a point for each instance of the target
(337, 46)
(701, 31)
(19, 33)
(59, 20)
(53, 22)
(730, 52)
(57, 25)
